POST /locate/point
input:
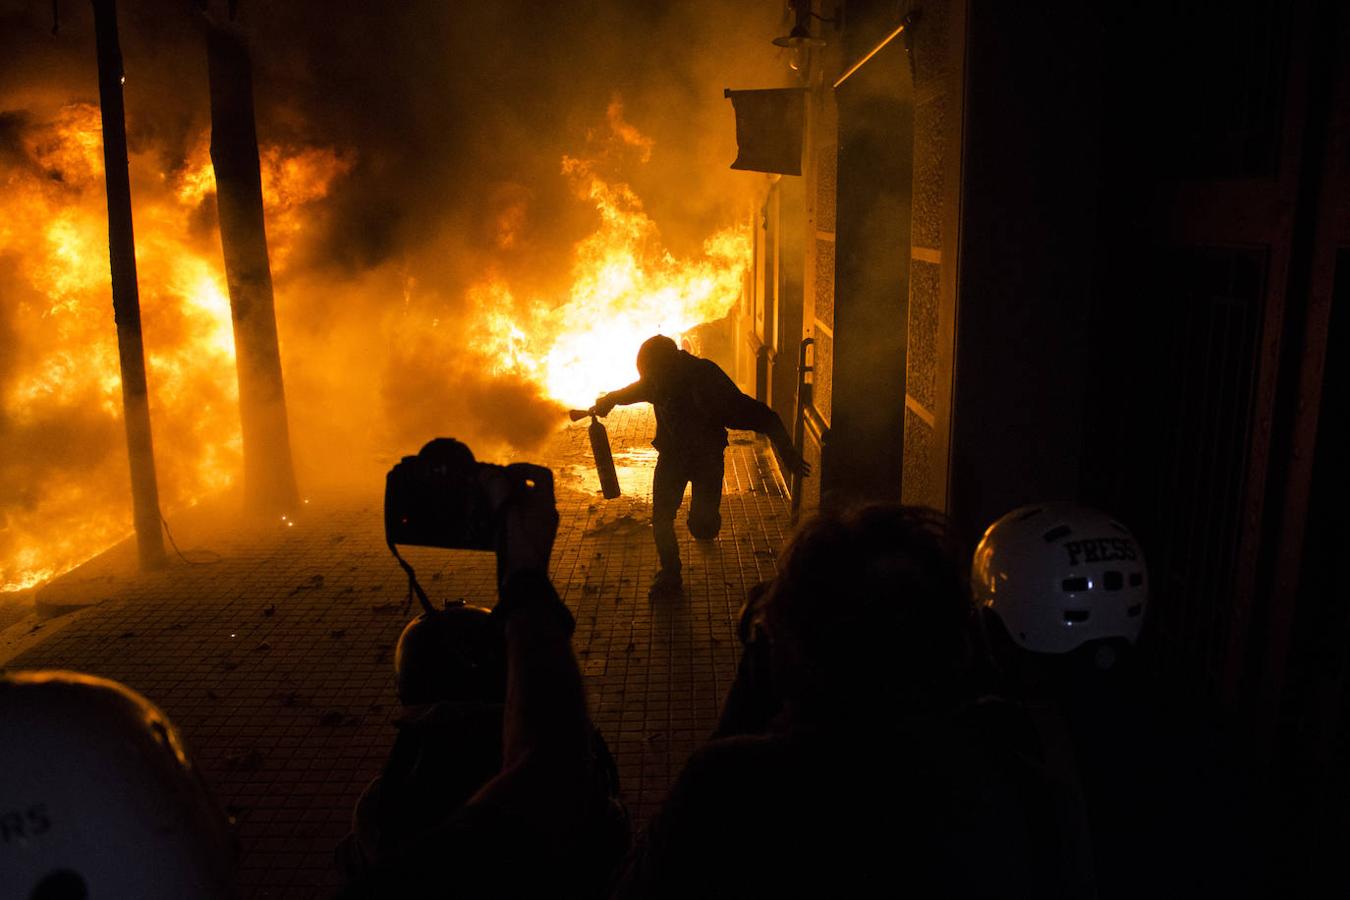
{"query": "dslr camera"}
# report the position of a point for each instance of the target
(439, 498)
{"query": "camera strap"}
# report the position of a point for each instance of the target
(413, 586)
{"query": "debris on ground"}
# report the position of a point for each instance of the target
(335, 717)
(314, 583)
(250, 760)
(622, 526)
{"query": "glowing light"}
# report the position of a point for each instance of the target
(625, 288)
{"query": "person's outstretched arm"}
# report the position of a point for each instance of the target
(723, 401)
(546, 754)
(637, 392)
(745, 412)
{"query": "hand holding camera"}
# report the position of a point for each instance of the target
(522, 500)
(522, 497)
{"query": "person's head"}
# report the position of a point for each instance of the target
(454, 654)
(656, 355)
(1061, 588)
(869, 614)
(98, 797)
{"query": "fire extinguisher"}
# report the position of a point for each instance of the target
(604, 459)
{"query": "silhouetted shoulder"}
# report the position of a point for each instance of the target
(712, 372)
(861, 814)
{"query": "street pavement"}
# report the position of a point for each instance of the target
(272, 647)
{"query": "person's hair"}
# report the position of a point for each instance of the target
(654, 352)
(455, 654)
(870, 607)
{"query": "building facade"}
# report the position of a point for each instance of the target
(1056, 251)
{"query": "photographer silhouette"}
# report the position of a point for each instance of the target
(498, 784)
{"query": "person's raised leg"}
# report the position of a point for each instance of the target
(705, 506)
(667, 494)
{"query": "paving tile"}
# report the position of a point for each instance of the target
(275, 658)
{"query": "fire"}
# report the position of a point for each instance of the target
(63, 472)
(64, 487)
(625, 288)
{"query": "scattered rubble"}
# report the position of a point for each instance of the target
(336, 717)
(249, 760)
(314, 583)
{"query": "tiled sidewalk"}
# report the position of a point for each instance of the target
(276, 658)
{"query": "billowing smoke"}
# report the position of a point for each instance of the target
(418, 209)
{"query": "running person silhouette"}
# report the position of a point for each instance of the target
(695, 402)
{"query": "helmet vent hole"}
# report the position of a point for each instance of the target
(1135, 610)
(1056, 533)
(1075, 616)
(1074, 585)
(1136, 579)
(1113, 581)
(1029, 514)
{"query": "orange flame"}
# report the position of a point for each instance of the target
(62, 402)
(60, 399)
(625, 288)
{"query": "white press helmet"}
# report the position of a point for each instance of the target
(1059, 576)
(98, 797)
